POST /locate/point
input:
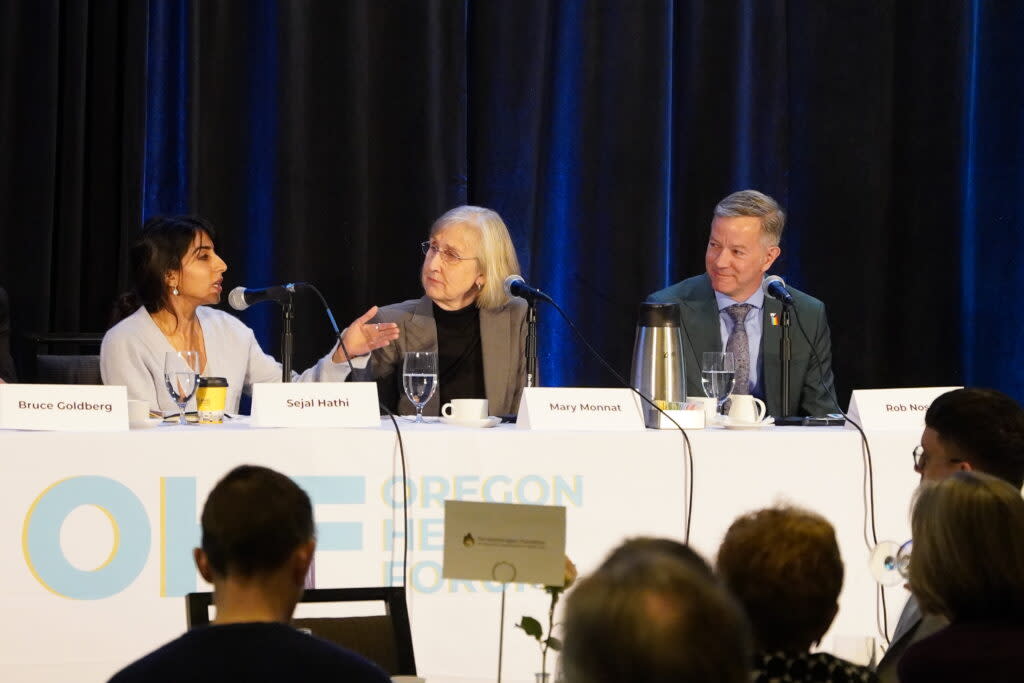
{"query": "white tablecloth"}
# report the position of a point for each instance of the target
(127, 507)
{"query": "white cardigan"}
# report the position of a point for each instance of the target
(133, 351)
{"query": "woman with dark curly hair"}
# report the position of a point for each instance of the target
(783, 565)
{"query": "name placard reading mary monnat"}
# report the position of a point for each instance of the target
(578, 408)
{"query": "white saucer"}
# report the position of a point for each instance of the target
(150, 422)
(736, 424)
(485, 422)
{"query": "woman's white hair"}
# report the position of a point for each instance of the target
(497, 257)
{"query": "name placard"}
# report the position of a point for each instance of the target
(64, 407)
(315, 404)
(569, 408)
(893, 408)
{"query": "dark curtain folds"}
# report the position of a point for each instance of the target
(71, 126)
(324, 137)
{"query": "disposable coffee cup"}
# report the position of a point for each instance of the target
(211, 397)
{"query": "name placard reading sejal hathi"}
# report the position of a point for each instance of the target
(315, 404)
(64, 407)
(573, 408)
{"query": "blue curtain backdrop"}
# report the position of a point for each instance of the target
(322, 138)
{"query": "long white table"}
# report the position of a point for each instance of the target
(97, 529)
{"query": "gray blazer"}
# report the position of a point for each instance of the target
(502, 335)
(701, 332)
(912, 626)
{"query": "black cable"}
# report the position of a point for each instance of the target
(869, 508)
(687, 451)
(398, 433)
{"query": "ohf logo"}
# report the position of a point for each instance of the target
(178, 532)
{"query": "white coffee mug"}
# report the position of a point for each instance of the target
(710, 406)
(465, 409)
(138, 412)
(746, 408)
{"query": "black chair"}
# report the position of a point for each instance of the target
(59, 358)
(385, 639)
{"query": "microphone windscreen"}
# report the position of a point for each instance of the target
(769, 281)
(236, 299)
(510, 280)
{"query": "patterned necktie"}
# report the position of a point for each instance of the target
(739, 346)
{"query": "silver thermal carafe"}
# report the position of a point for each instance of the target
(658, 357)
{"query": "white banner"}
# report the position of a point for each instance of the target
(98, 529)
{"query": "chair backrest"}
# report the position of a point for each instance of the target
(385, 640)
(57, 358)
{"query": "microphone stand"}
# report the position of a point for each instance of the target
(786, 354)
(532, 380)
(287, 315)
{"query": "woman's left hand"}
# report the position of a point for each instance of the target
(361, 337)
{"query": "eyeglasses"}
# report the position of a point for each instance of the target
(921, 458)
(448, 255)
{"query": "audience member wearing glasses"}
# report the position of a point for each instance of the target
(653, 612)
(965, 430)
(257, 544)
(177, 275)
(783, 565)
(478, 331)
(967, 564)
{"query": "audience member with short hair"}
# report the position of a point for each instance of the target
(783, 565)
(967, 564)
(965, 430)
(258, 541)
(646, 616)
(628, 550)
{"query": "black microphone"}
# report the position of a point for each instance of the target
(241, 298)
(516, 286)
(775, 287)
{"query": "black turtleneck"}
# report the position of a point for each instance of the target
(460, 356)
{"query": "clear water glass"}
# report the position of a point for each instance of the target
(419, 377)
(181, 376)
(718, 375)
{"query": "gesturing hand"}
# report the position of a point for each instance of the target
(361, 336)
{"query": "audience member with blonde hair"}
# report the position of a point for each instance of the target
(967, 564)
(478, 332)
(783, 565)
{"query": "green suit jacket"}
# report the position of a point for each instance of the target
(808, 394)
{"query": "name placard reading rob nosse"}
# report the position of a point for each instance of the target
(64, 407)
(892, 408)
(315, 404)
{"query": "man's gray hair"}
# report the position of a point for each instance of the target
(758, 205)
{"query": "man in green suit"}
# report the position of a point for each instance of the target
(726, 309)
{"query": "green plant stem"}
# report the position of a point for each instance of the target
(551, 625)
